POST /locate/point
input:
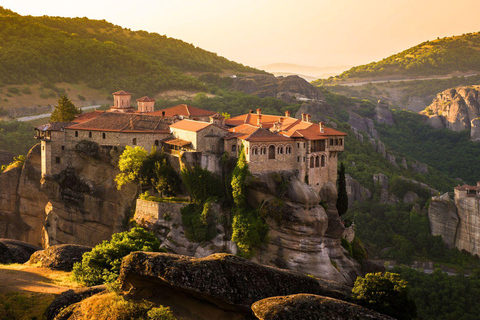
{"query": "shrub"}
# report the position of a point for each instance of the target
(102, 264)
(386, 293)
(199, 222)
(202, 184)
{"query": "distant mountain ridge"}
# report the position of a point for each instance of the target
(457, 55)
(100, 54)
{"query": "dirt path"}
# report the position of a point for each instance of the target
(32, 279)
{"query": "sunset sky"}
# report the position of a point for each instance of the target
(259, 32)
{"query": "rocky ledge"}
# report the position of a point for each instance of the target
(59, 257)
(220, 282)
(309, 306)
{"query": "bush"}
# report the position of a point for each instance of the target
(202, 184)
(102, 264)
(386, 293)
(199, 222)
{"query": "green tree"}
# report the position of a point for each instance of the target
(130, 165)
(102, 264)
(386, 293)
(64, 111)
(342, 197)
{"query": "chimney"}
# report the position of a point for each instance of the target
(251, 111)
(287, 114)
(320, 124)
(259, 119)
(259, 111)
(163, 114)
(280, 120)
(308, 117)
(478, 183)
(303, 116)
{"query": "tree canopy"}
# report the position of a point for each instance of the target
(65, 110)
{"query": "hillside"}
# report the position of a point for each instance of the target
(455, 55)
(50, 50)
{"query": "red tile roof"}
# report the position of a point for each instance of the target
(177, 142)
(123, 122)
(122, 93)
(145, 99)
(54, 126)
(88, 116)
(183, 110)
(248, 132)
(467, 187)
(191, 125)
(288, 126)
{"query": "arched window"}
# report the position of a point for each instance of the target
(323, 161)
(263, 150)
(280, 150)
(271, 152)
(312, 162)
(134, 141)
(317, 161)
(254, 151)
(234, 148)
(288, 150)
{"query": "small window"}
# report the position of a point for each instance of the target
(323, 161)
(104, 135)
(304, 145)
(43, 147)
(63, 147)
(234, 148)
(303, 159)
(263, 150)
(90, 134)
(280, 150)
(331, 142)
(134, 141)
(298, 144)
(341, 142)
(76, 134)
(298, 159)
(57, 159)
(312, 162)
(288, 150)
(156, 143)
(246, 150)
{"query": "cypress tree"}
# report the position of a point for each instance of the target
(342, 197)
(65, 111)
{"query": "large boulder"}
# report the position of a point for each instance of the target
(383, 113)
(59, 257)
(444, 220)
(309, 306)
(15, 251)
(223, 281)
(68, 298)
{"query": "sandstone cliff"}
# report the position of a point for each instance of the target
(457, 222)
(81, 205)
(456, 109)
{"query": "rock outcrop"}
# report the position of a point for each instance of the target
(383, 113)
(309, 306)
(456, 109)
(59, 257)
(14, 251)
(69, 298)
(81, 205)
(220, 282)
(302, 235)
(5, 157)
(443, 218)
(355, 191)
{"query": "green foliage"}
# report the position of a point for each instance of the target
(347, 245)
(249, 228)
(199, 222)
(359, 252)
(157, 171)
(405, 232)
(130, 165)
(160, 313)
(105, 56)
(441, 149)
(386, 293)
(102, 264)
(442, 296)
(342, 197)
(146, 196)
(16, 137)
(64, 111)
(202, 184)
(17, 162)
(437, 57)
(234, 103)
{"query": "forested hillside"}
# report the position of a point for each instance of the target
(100, 54)
(437, 57)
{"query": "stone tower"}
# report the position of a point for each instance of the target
(145, 104)
(121, 101)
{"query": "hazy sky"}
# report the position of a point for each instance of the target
(259, 32)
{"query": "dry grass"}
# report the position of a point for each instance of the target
(24, 305)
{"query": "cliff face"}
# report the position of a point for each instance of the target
(456, 109)
(81, 205)
(457, 222)
(303, 235)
